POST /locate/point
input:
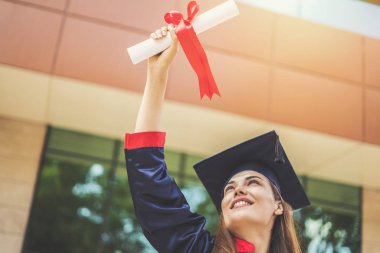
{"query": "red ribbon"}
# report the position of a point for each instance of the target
(193, 48)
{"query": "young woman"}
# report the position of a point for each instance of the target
(252, 185)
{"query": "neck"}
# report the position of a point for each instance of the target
(258, 237)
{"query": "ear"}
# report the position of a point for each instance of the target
(279, 208)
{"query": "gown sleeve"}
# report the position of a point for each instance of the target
(160, 207)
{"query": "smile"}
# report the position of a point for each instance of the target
(241, 203)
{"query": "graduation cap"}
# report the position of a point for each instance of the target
(263, 154)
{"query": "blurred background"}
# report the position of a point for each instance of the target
(309, 69)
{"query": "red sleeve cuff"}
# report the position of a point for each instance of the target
(144, 139)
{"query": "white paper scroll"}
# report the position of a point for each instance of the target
(201, 23)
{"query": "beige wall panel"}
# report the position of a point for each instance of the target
(357, 166)
(371, 165)
(15, 194)
(309, 150)
(372, 61)
(92, 108)
(112, 112)
(371, 221)
(204, 131)
(13, 220)
(20, 151)
(20, 140)
(23, 93)
(318, 48)
(11, 243)
(348, 164)
(316, 103)
(18, 168)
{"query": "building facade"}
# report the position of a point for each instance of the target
(68, 93)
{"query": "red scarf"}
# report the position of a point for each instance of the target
(243, 246)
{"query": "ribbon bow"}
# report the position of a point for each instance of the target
(193, 48)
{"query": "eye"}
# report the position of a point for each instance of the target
(254, 181)
(228, 188)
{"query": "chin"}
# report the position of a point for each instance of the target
(238, 216)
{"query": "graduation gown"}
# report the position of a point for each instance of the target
(160, 207)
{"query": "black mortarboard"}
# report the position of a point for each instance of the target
(263, 154)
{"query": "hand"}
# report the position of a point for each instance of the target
(160, 63)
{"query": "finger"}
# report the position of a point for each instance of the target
(173, 35)
(174, 45)
(153, 36)
(170, 27)
(158, 33)
(164, 30)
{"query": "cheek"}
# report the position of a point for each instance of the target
(264, 199)
(225, 201)
(226, 210)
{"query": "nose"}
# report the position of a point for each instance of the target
(240, 189)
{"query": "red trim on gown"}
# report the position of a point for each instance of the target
(144, 139)
(243, 246)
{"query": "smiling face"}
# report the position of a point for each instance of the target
(249, 201)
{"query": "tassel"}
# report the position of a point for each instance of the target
(279, 153)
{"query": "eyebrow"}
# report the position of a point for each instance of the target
(246, 179)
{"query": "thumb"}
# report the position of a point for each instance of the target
(173, 35)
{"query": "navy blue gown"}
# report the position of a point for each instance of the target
(160, 207)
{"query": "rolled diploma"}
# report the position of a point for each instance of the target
(201, 23)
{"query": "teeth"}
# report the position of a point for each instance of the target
(241, 203)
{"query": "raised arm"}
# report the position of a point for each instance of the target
(148, 118)
(160, 207)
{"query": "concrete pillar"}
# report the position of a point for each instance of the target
(21, 144)
(371, 221)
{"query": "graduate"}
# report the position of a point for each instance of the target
(253, 185)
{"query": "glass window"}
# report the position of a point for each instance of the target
(173, 162)
(123, 233)
(332, 223)
(67, 213)
(190, 161)
(78, 144)
(200, 202)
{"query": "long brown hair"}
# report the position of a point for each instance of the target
(283, 238)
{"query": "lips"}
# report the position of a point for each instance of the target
(241, 202)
